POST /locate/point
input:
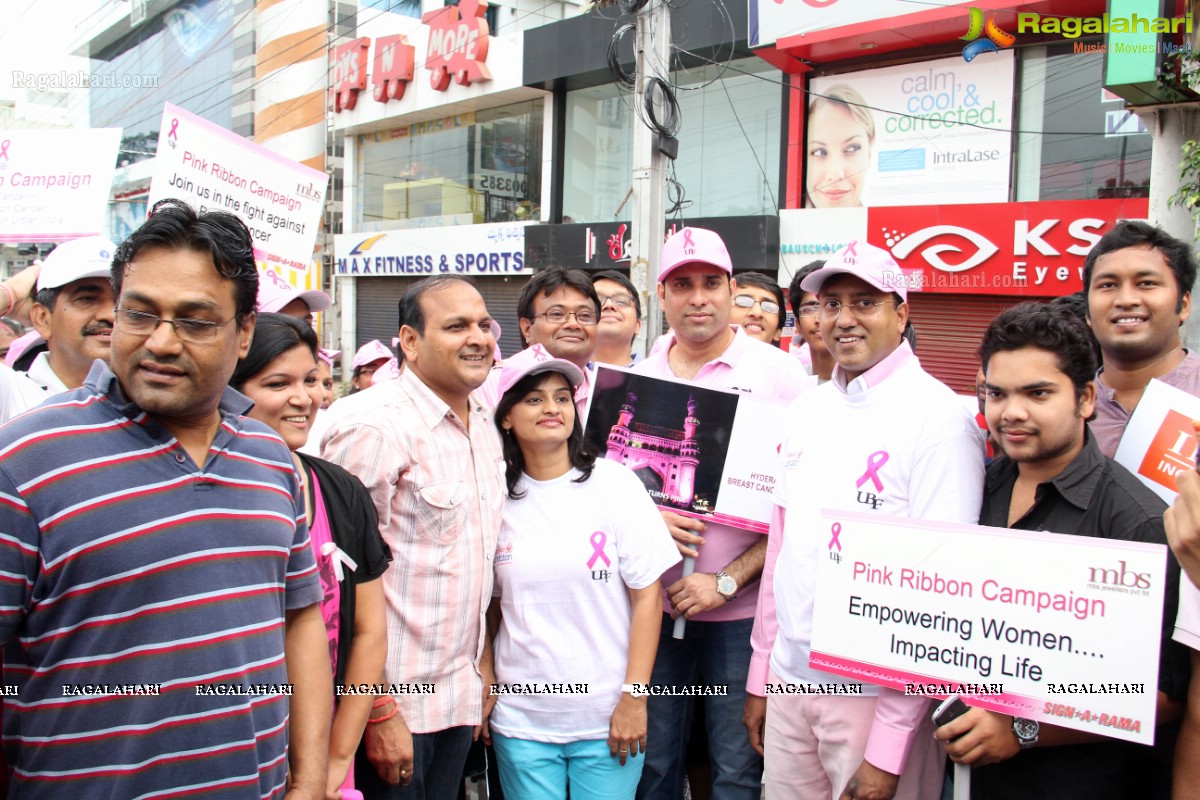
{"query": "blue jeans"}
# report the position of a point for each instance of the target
(438, 761)
(542, 771)
(712, 654)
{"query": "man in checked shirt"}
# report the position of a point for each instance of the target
(427, 450)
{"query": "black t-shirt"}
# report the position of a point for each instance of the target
(1093, 496)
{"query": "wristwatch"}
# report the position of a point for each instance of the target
(726, 586)
(1026, 731)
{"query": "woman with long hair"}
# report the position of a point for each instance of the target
(578, 603)
(280, 374)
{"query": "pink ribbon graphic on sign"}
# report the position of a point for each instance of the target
(4, 148)
(599, 539)
(874, 464)
(174, 128)
(836, 530)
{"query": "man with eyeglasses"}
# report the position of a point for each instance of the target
(758, 306)
(807, 344)
(882, 437)
(695, 289)
(163, 532)
(620, 319)
(559, 310)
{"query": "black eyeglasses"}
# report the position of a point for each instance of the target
(196, 331)
(557, 316)
(746, 301)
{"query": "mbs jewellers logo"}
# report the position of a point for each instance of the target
(1172, 450)
(995, 41)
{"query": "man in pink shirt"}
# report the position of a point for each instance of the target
(426, 449)
(882, 437)
(695, 290)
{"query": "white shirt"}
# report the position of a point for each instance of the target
(18, 393)
(565, 556)
(41, 373)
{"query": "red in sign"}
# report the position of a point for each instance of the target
(349, 74)
(1034, 249)
(393, 67)
(458, 44)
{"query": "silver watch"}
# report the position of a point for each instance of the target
(1026, 731)
(726, 586)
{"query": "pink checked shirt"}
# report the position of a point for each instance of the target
(439, 491)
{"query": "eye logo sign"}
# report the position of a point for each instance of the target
(903, 246)
(996, 40)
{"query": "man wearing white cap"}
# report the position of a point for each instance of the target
(695, 290)
(73, 312)
(277, 296)
(882, 437)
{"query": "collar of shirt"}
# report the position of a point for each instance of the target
(729, 357)
(1185, 372)
(877, 374)
(429, 407)
(1076, 483)
(103, 382)
(41, 373)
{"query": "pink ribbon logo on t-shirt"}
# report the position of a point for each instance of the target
(874, 464)
(598, 540)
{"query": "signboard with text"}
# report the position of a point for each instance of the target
(1160, 441)
(1060, 629)
(280, 200)
(496, 248)
(54, 184)
(701, 452)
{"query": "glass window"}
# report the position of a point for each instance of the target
(1090, 146)
(481, 166)
(729, 143)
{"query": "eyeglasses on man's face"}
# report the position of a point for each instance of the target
(558, 315)
(748, 301)
(863, 308)
(140, 323)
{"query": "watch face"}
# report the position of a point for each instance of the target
(1026, 729)
(726, 585)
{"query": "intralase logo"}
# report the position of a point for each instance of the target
(1120, 576)
(994, 39)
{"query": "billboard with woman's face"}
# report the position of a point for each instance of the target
(917, 134)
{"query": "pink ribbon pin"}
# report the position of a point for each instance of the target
(874, 464)
(174, 127)
(836, 530)
(599, 539)
(4, 148)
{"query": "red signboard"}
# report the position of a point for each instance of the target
(458, 44)
(349, 74)
(1035, 249)
(392, 68)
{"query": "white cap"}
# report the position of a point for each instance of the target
(89, 257)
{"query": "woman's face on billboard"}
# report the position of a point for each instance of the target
(839, 154)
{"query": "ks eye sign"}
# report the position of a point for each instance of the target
(1036, 249)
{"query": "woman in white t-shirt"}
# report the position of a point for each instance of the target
(577, 606)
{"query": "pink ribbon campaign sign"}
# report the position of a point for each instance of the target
(874, 464)
(599, 539)
(4, 148)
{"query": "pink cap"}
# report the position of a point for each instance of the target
(18, 346)
(328, 355)
(274, 293)
(864, 261)
(534, 361)
(694, 246)
(369, 353)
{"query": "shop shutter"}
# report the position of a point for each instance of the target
(378, 299)
(949, 329)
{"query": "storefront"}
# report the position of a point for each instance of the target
(987, 170)
(443, 166)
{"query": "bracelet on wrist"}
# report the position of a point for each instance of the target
(380, 702)
(384, 718)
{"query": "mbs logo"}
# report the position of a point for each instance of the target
(1172, 450)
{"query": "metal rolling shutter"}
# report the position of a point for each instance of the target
(378, 299)
(949, 329)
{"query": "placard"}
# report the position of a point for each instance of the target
(214, 169)
(1160, 442)
(1060, 629)
(701, 452)
(54, 184)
